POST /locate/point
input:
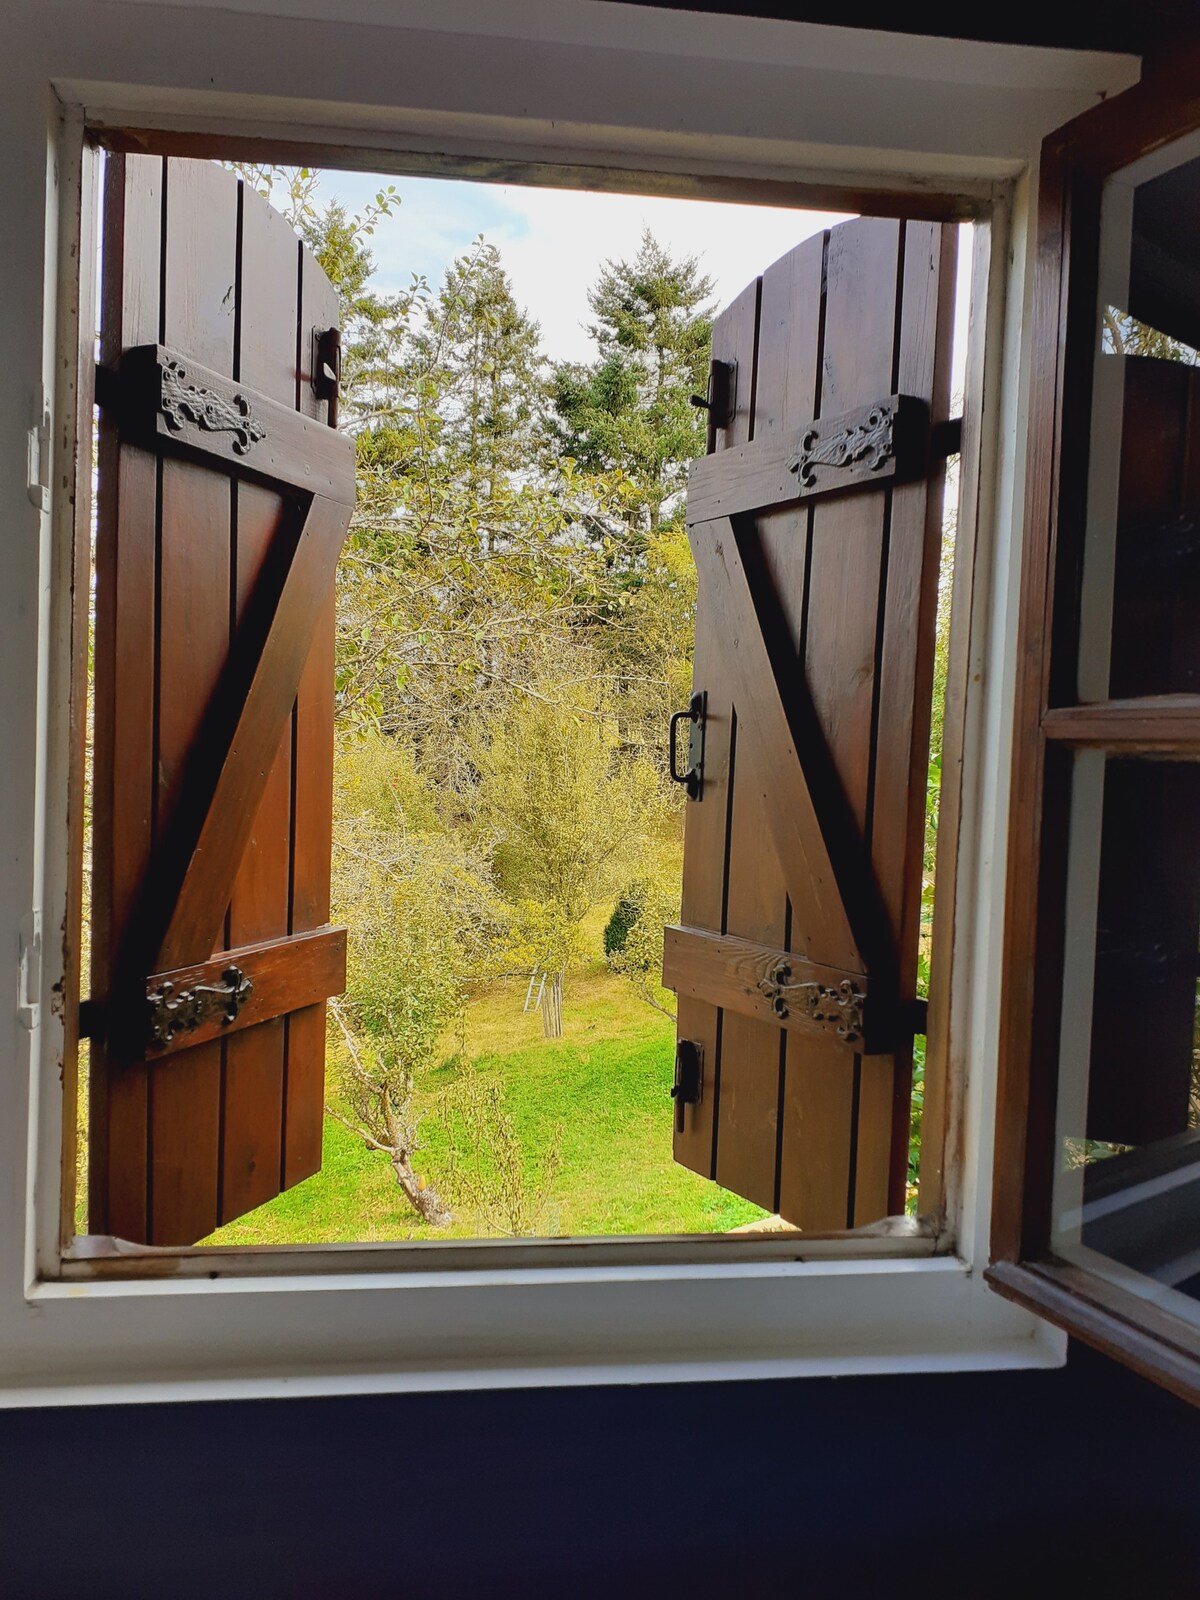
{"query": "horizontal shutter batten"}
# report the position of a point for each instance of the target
(285, 974)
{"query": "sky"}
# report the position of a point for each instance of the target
(552, 242)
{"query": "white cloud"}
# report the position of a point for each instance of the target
(566, 236)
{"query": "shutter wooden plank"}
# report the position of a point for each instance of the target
(844, 587)
(122, 746)
(772, 472)
(290, 972)
(753, 1051)
(782, 767)
(816, 1109)
(230, 793)
(706, 823)
(311, 841)
(252, 1111)
(195, 515)
(906, 665)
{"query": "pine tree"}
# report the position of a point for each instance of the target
(630, 410)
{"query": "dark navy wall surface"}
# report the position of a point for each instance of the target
(1080, 1482)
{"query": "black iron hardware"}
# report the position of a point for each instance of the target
(721, 400)
(693, 776)
(327, 368)
(840, 1006)
(170, 1013)
(91, 1019)
(689, 1077)
(867, 445)
(181, 402)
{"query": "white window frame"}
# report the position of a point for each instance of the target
(693, 104)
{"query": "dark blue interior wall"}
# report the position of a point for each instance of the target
(1077, 1482)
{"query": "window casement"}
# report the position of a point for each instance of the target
(224, 497)
(1096, 1219)
(131, 1309)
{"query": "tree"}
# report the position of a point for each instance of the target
(421, 920)
(462, 550)
(630, 411)
(485, 353)
(565, 812)
(1124, 335)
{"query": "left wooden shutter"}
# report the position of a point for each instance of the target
(224, 499)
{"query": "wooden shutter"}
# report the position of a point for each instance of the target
(224, 498)
(815, 522)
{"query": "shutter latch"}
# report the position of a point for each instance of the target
(327, 368)
(689, 1077)
(693, 777)
(171, 1013)
(721, 400)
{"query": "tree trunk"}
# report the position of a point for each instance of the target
(552, 1008)
(422, 1196)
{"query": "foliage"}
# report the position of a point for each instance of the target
(490, 1169)
(630, 410)
(604, 1084)
(565, 811)
(627, 911)
(1124, 335)
(420, 917)
(640, 956)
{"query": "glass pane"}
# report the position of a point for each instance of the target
(1141, 592)
(1128, 1185)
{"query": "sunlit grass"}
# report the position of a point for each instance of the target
(605, 1084)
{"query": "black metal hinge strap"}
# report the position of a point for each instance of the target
(868, 447)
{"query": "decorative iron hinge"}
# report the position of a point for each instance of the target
(840, 1006)
(868, 444)
(170, 1013)
(181, 402)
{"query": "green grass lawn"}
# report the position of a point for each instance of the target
(604, 1084)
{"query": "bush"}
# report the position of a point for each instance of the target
(627, 911)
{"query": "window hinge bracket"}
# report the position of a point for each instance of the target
(945, 439)
(29, 968)
(38, 458)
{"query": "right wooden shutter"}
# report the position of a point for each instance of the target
(816, 524)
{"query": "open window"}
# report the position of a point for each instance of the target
(226, 489)
(1097, 1206)
(926, 140)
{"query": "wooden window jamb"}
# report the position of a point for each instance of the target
(932, 1231)
(1050, 724)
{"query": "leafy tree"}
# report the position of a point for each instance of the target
(421, 919)
(565, 813)
(1124, 335)
(491, 1172)
(630, 411)
(486, 354)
